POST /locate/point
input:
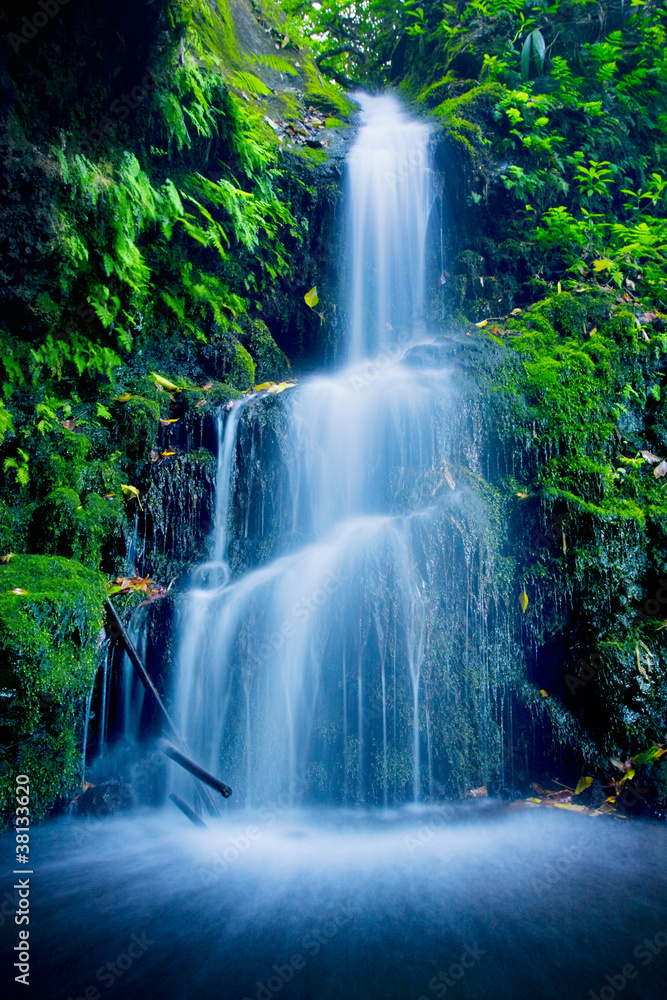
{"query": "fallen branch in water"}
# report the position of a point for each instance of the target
(193, 816)
(197, 770)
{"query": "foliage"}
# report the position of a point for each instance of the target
(51, 614)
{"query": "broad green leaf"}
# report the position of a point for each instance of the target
(539, 48)
(525, 58)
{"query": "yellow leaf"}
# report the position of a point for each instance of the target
(582, 785)
(523, 600)
(165, 383)
(166, 454)
(130, 491)
(174, 420)
(483, 323)
(311, 298)
(281, 387)
(522, 496)
(124, 398)
(7, 558)
(602, 264)
(559, 288)
(19, 590)
(545, 694)
(515, 312)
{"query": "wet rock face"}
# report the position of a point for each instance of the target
(100, 801)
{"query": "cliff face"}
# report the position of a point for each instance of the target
(170, 182)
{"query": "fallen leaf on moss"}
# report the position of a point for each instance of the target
(545, 694)
(124, 398)
(650, 457)
(8, 557)
(165, 383)
(660, 470)
(523, 600)
(19, 590)
(483, 323)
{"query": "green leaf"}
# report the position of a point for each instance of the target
(525, 58)
(311, 298)
(539, 49)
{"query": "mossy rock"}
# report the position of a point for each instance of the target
(242, 369)
(138, 424)
(271, 363)
(51, 617)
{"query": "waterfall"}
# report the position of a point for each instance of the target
(305, 673)
(387, 197)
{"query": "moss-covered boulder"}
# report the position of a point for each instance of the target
(51, 617)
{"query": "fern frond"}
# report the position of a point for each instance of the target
(251, 83)
(276, 63)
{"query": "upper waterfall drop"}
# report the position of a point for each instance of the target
(388, 201)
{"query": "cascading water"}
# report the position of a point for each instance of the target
(388, 201)
(287, 675)
(359, 657)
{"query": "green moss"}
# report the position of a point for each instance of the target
(467, 105)
(322, 94)
(271, 363)
(242, 370)
(48, 660)
(221, 394)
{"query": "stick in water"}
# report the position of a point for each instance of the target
(186, 810)
(199, 772)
